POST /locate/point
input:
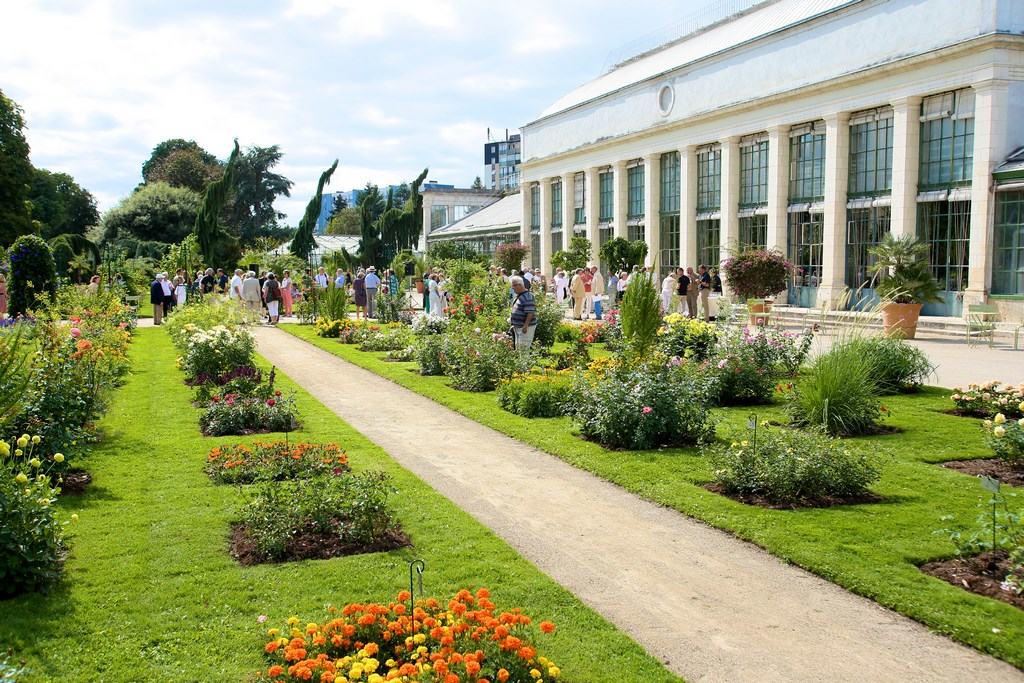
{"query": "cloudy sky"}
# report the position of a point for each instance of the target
(386, 86)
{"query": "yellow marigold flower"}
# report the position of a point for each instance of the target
(554, 671)
(356, 672)
(419, 638)
(375, 678)
(534, 673)
(273, 632)
(292, 621)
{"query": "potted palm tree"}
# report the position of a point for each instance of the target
(904, 282)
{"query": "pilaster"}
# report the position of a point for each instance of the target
(906, 156)
(592, 204)
(778, 187)
(568, 210)
(837, 173)
(652, 206)
(729, 210)
(620, 199)
(991, 100)
(688, 206)
(545, 226)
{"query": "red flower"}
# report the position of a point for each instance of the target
(270, 402)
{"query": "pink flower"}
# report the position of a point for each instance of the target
(647, 410)
(262, 618)
(75, 332)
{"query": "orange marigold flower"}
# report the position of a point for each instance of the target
(503, 675)
(270, 647)
(547, 627)
(275, 671)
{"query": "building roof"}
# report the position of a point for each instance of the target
(449, 189)
(330, 243)
(1013, 167)
(504, 215)
(760, 20)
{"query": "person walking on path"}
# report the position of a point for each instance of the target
(208, 282)
(251, 293)
(588, 292)
(620, 286)
(339, 278)
(596, 290)
(3, 296)
(372, 284)
(168, 289)
(692, 291)
(705, 292)
(578, 289)
(561, 286)
(286, 292)
(392, 278)
(359, 293)
(156, 297)
(524, 315)
(272, 295)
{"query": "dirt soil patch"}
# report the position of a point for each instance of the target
(75, 483)
(310, 545)
(989, 467)
(982, 574)
(820, 502)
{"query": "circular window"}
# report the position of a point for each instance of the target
(666, 98)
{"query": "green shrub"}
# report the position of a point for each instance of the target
(1006, 439)
(33, 273)
(275, 461)
(898, 366)
(789, 466)
(644, 405)
(567, 333)
(210, 312)
(478, 361)
(640, 313)
(392, 337)
(839, 395)
(686, 337)
(352, 507)
(390, 307)
(536, 395)
(748, 361)
(549, 317)
(216, 351)
(428, 354)
(31, 538)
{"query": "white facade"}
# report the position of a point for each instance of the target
(785, 69)
(445, 205)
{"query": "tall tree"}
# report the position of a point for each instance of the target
(166, 148)
(477, 184)
(348, 221)
(399, 229)
(15, 173)
(214, 242)
(303, 241)
(60, 206)
(154, 213)
(250, 213)
(373, 200)
(188, 167)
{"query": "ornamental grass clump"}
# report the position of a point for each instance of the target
(1006, 439)
(839, 394)
(274, 461)
(640, 314)
(467, 638)
(897, 365)
(792, 467)
(643, 405)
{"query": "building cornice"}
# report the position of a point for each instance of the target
(987, 41)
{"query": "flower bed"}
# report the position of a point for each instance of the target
(985, 400)
(233, 414)
(477, 361)
(686, 337)
(328, 516)
(274, 461)
(1006, 439)
(465, 639)
(216, 351)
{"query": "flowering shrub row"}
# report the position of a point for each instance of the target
(988, 399)
(274, 461)
(216, 351)
(1006, 438)
(233, 414)
(465, 639)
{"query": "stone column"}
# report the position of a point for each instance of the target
(730, 198)
(592, 204)
(620, 199)
(778, 188)
(837, 175)
(991, 101)
(428, 202)
(688, 206)
(524, 222)
(568, 212)
(545, 226)
(906, 153)
(652, 203)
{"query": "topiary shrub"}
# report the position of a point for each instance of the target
(32, 273)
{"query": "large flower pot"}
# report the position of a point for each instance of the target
(759, 311)
(900, 320)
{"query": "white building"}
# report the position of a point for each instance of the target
(812, 126)
(445, 204)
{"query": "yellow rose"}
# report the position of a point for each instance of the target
(58, 457)
(21, 478)
(999, 432)
(22, 441)
(34, 462)
(36, 439)
(1000, 419)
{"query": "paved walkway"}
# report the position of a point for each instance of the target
(711, 607)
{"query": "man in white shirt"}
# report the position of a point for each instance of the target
(321, 278)
(235, 288)
(372, 283)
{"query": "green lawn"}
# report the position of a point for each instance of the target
(872, 549)
(152, 594)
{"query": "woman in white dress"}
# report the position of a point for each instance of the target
(180, 290)
(434, 291)
(561, 286)
(668, 289)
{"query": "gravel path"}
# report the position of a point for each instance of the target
(711, 607)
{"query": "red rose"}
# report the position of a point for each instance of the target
(270, 402)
